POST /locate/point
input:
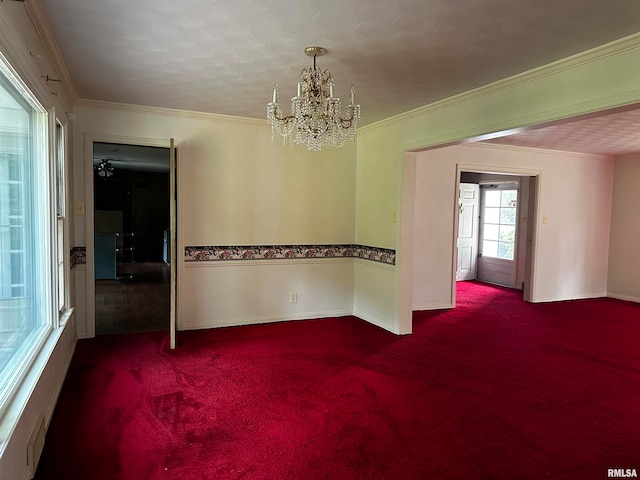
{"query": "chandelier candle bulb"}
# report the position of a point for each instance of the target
(331, 89)
(275, 92)
(299, 90)
(353, 94)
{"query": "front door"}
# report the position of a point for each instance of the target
(468, 205)
(498, 230)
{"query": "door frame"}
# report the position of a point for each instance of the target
(533, 209)
(89, 140)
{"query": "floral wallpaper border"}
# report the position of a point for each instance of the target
(275, 252)
(269, 252)
(78, 256)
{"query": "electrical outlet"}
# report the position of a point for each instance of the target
(293, 297)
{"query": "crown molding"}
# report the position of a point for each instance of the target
(43, 29)
(25, 65)
(616, 47)
(171, 112)
(20, 59)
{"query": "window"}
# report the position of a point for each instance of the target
(61, 257)
(27, 305)
(499, 223)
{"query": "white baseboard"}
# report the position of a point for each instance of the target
(378, 322)
(628, 298)
(581, 296)
(433, 306)
(237, 322)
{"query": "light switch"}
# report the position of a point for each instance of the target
(545, 219)
(80, 208)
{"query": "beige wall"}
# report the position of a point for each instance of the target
(603, 78)
(571, 249)
(624, 258)
(237, 187)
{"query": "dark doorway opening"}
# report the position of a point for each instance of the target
(131, 226)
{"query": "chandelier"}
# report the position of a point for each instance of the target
(315, 119)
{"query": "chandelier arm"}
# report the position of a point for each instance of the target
(287, 118)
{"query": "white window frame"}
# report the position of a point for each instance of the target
(493, 188)
(43, 252)
(60, 241)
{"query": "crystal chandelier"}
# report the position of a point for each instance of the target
(315, 119)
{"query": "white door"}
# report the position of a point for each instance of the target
(173, 241)
(468, 205)
(498, 234)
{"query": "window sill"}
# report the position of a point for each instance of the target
(64, 316)
(13, 411)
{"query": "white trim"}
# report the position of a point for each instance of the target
(582, 296)
(48, 40)
(404, 254)
(373, 263)
(432, 306)
(520, 172)
(616, 47)
(141, 141)
(17, 403)
(498, 170)
(167, 112)
(89, 139)
(278, 262)
(377, 322)
(20, 60)
(25, 64)
(626, 298)
(260, 319)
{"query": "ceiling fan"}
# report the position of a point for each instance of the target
(104, 169)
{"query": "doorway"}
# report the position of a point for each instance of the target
(131, 238)
(494, 243)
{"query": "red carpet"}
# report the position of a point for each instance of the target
(494, 389)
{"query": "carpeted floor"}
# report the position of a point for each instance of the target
(494, 389)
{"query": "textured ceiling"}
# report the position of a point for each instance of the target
(223, 56)
(612, 134)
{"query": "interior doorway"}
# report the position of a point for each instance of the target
(494, 241)
(132, 263)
